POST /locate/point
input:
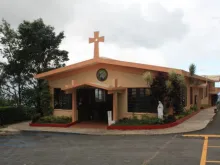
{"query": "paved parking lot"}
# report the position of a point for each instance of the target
(71, 149)
(66, 149)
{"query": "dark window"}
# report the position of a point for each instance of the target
(62, 100)
(100, 95)
(206, 91)
(183, 96)
(139, 100)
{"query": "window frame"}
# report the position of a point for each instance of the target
(100, 95)
(139, 101)
(64, 100)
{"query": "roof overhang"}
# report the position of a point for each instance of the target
(200, 85)
(101, 60)
(96, 85)
(215, 78)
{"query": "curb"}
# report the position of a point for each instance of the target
(51, 125)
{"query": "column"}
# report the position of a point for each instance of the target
(74, 107)
(188, 93)
(115, 106)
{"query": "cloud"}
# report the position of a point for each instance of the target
(53, 12)
(127, 26)
(169, 33)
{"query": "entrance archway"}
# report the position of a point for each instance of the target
(93, 104)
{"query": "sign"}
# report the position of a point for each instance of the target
(110, 121)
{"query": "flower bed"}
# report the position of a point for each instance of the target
(157, 124)
(52, 121)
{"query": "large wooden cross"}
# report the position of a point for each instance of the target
(96, 40)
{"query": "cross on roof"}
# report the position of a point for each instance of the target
(96, 41)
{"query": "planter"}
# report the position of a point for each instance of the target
(148, 127)
(51, 125)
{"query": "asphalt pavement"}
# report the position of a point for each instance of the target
(72, 149)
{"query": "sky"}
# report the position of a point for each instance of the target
(171, 33)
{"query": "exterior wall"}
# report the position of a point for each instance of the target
(200, 92)
(89, 75)
(126, 78)
(122, 104)
(61, 112)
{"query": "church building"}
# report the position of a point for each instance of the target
(87, 90)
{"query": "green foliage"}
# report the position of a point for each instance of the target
(192, 69)
(158, 87)
(36, 117)
(186, 112)
(169, 119)
(175, 85)
(148, 78)
(54, 119)
(193, 108)
(31, 49)
(145, 121)
(10, 115)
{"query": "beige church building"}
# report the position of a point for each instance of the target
(87, 90)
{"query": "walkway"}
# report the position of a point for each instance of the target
(197, 122)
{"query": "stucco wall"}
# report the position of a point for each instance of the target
(60, 112)
(126, 78)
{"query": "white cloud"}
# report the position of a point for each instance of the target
(127, 26)
(171, 33)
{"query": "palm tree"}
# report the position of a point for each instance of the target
(192, 71)
(147, 76)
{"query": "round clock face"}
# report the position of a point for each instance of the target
(102, 74)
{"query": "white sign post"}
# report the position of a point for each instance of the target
(110, 121)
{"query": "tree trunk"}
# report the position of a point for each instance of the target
(19, 94)
(170, 110)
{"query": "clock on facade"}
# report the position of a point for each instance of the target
(102, 74)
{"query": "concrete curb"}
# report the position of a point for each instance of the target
(99, 132)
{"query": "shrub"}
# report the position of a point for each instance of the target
(10, 115)
(55, 119)
(193, 108)
(169, 119)
(145, 121)
(36, 117)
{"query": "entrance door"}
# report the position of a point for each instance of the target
(195, 99)
(214, 99)
(93, 104)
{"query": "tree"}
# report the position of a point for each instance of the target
(31, 49)
(147, 76)
(14, 70)
(192, 71)
(158, 87)
(174, 87)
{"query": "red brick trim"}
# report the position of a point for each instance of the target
(51, 125)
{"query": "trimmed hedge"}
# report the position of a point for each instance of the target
(10, 115)
(55, 119)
